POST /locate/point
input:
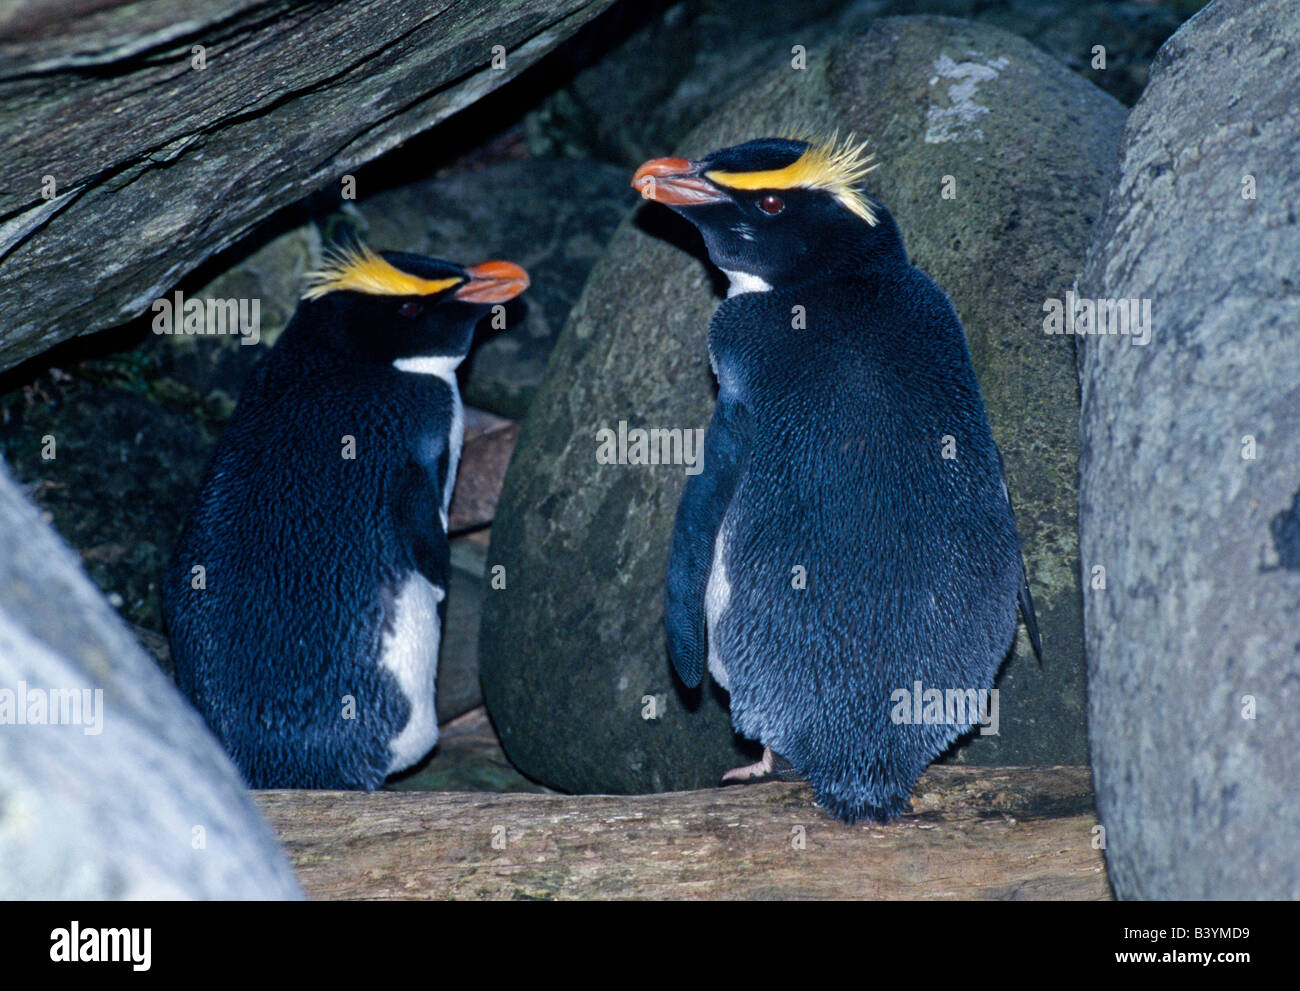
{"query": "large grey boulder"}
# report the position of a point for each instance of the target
(572, 650)
(1190, 472)
(716, 48)
(110, 785)
(142, 138)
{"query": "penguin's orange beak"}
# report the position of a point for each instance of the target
(493, 282)
(674, 182)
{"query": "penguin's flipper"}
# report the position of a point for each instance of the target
(690, 556)
(1027, 612)
(1025, 599)
(418, 519)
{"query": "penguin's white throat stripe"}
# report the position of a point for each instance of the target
(745, 282)
(443, 366)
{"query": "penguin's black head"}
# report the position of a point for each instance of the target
(777, 210)
(392, 306)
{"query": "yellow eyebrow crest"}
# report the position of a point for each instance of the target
(361, 270)
(829, 165)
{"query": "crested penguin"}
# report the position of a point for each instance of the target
(306, 594)
(850, 535)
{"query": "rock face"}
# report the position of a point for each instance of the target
(717, 48)
(458, 680)
(572, 651)
(133, 430)
(1189, 472)
(189, 130)
(112, 786)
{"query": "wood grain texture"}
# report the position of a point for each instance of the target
(975, 833)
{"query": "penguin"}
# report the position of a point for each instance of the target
(306, 594)
(850, 536)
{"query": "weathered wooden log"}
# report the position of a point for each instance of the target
(994, 833)
(143, 137)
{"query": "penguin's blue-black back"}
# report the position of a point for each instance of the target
(302, 556)
(846, 479)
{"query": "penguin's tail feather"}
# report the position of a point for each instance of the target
(879, 789)
(849, 808)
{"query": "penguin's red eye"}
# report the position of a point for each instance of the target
(411, 310)
(771, 204)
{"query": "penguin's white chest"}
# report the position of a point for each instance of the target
(410, 649)
(409, 653)
(717, 599)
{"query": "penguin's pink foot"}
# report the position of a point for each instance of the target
(756, 771)
(770, 767)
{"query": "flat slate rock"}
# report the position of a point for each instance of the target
(572, 650)
(118, 135)
(1190, 472)
(489, 442)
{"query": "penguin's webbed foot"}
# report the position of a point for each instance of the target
(770, 767)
